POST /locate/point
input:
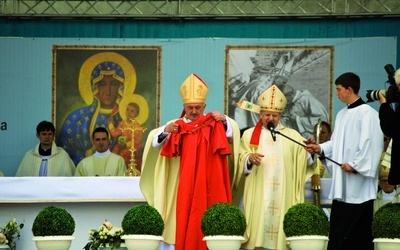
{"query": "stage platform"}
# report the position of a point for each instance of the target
(90, 200)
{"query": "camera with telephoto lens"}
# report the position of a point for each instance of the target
(391, 94)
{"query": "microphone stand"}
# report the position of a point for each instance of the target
(303, 145)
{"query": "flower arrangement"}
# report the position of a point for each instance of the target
(9, 232)
(106, 235)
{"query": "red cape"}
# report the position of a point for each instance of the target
(204, 176)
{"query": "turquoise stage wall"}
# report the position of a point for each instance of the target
(26, 73)
(255, 28)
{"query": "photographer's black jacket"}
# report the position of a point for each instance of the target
(390, 125)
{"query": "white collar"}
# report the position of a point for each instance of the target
(104, 154)
(387, 197)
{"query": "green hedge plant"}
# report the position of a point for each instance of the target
(386, 222)
(143, 219)
(305, 219)
(223, 219)
(53, 221)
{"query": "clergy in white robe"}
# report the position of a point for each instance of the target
(357, 144)
(277, 170)
(102, 162)
(358, 141)
(58, 163)
(46, 158)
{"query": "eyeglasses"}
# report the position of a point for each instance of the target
(383, 181)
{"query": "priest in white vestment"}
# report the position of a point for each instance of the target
(277, 170)
(102, 162)
(46, 158)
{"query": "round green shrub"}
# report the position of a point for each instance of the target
(386, 221)
(143, 219)
(305, 219)
(223, 219)
(53, 220)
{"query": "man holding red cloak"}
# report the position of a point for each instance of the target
(194, 168)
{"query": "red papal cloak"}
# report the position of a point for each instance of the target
(204, 176)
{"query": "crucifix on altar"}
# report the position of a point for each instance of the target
(132, 128)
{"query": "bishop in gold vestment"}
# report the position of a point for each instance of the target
(276, 169)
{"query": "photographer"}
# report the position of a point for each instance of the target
(390, 125)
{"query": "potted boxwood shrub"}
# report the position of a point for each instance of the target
(143, 228)
(386, 226)
(306, 226)
(53, 228)
(223, 226)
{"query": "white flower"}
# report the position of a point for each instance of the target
(105, 234)
(115, 231)
(9, 232)
(107, 224)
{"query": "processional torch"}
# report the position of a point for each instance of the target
(316, 177)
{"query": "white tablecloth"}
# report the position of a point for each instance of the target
(92, 189)
(69, 189)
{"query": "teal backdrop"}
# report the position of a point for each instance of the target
(361, 45)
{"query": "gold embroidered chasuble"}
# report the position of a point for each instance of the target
(273, 187)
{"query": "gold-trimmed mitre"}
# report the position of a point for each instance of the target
(272, 99)
(194, 90)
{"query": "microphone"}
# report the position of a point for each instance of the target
(270, 126)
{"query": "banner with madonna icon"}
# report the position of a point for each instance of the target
(115, 87)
